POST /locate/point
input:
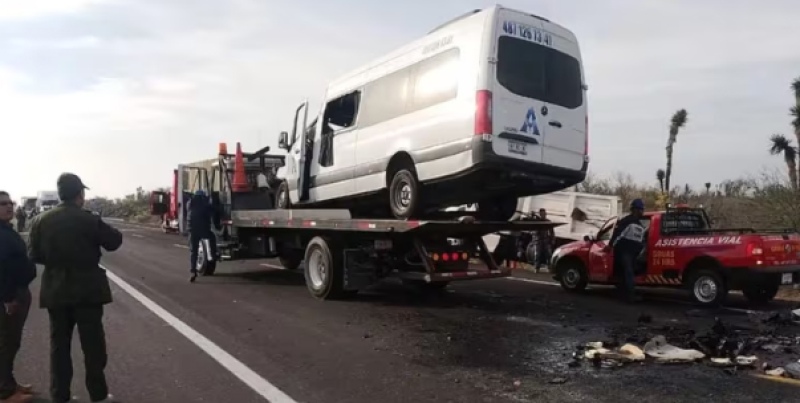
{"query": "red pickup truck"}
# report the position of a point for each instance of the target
(682, 250)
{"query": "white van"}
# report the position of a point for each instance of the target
(485, 109)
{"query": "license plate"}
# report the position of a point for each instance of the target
(515, 147)
(787, 278)
(383, 244)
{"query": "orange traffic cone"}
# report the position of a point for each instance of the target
(239, 177)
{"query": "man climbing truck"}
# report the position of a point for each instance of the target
(342, 254)
(683, 251)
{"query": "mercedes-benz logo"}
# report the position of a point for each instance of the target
(544, 110)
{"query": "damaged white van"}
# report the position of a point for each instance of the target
(485, 109)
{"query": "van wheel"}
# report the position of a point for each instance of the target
(282, 197)
(708, 288)
(761, 292)
(404, 194)
(497, 209)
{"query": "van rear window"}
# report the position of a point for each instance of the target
(536, 71)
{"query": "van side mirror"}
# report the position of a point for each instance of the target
(283, 141)
(588, 238)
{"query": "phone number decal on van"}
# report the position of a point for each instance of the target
(530, 33)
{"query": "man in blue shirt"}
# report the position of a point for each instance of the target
(201, 215)
(627, 241)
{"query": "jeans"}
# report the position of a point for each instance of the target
(543, 256)
(194, 247)
(10, 341)
(627, 266)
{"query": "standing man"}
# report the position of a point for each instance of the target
(21, 217)
(627, 240)
(201, 214)
(16, 273)
(545, 241)
(67, 241)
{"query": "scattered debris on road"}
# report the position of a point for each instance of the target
(763, 338)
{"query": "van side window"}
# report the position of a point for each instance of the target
(340, 113)
(421, 85)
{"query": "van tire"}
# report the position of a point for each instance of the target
(404, 194)
(282, 200)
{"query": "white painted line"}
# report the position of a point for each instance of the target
(527, 280)
(177, 245)
(273, 266)
(137, 235)
(260, 385)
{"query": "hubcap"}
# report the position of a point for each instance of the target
(403, 195)
(317, 269)
(571, 278)
(705, 289)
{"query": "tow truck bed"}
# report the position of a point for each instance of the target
(340, 221)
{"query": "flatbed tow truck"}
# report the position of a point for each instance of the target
(342, 254)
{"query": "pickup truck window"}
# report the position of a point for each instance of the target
(683, 222)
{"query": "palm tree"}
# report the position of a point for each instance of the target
(677, 123)
(783, 146)
(795, 112)
(660, 174)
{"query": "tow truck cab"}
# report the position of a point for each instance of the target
(682, 250)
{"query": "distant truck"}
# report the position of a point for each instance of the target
(28, 205)
(682, 250)
(46, 199)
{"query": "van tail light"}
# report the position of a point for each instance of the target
(483, 112)
(754, 249)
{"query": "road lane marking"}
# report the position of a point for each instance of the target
(135, 235)
(273, 266)
(177, 245)
(260, 385)
(527, 280)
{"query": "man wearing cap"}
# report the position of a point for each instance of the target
(67, 240)
(201, 214)
(16, 274)
(627, 241)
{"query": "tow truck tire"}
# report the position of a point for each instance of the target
(761, 292)
(708, 288)
(324, 269)
(291, 261)
(282, 200)
(404, 194)
(572, 275)
(497, 209)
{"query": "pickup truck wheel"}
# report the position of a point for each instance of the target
(324, 269)
(282, 197)
(708, 288)
(572, 276)
(404, 194)
(761, 292)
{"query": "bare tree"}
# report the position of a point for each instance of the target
(660, 175)
(676, 124)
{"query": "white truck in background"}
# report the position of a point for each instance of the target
(46, 199)
(579, 214)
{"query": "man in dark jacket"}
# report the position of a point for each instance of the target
(16, 273)
(201, 214)
(545, 242)
(21, 218)
(627, 240)
(67, 241)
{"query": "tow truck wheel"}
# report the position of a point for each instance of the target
(324, 271)
(404, 194)
(572, 276)
(497, 209)
(282, 196)
(761, 292)
(291, 261)
(708, 288)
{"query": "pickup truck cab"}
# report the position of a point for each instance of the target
(682, 250)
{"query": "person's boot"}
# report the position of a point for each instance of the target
(194, 277)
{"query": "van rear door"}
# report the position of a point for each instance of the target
(538, 92)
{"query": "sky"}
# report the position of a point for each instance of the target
(121, 91)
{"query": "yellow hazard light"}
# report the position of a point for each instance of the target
(435, 256)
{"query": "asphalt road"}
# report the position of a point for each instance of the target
(252, 333)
